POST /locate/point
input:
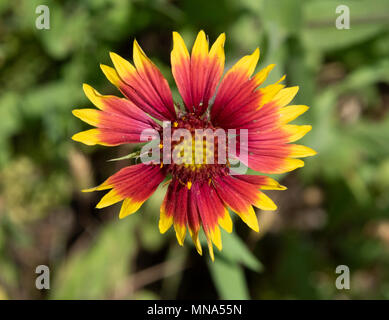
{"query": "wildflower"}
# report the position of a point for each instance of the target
(199, 193)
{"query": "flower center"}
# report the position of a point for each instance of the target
(198, 150)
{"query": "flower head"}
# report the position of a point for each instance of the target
(197, 142)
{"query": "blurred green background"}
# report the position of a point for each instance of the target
(335, 211)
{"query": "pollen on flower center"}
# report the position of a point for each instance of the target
(196, 154)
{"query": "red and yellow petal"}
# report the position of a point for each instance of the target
(194, 220)
(272, 153)
(284, 96)
(272, 111)
(194, 208)
(233, 81)
(211, 209)
(248, 113)
(234, 200)
(143, 84)
(269, 135)
(241, 107)
(300, 151)
(276, 159)
(174, 210)
(180, 61)
(198, 74)
(90, 116)
(125, 184)
(295, 132)
(167, 209)
(241, 192)
(90, 137)
(118, 121)
(157, 85)
(181, 213)
(113, 104)
(261, 182)
(289, 113)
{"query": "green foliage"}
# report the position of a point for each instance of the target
(95, 272)
(229, 280)
(227, 270)
(368, 18)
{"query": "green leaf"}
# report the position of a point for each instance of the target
(229, 279)
(227, 269)
(365, 76)
(64, 36)
(93, 273)
(285, 15)
(235, 250)
(367, 18)
(129, 156)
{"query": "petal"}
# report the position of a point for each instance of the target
(295, 132)
(125, 186)
(195, 238)
(218, 213)
(271, 116)
(199, 69)
(248, 187)
(233, 81)
(245, 67)
(225, 221)
(191, 207)
(111, 75)
(261, 182)
(165, 222)
(261, 76)
(116, 105)
(157, 84)
(144, 85)
(89, 137)
(90, 116)
(194, 220)
(181, 213)
(290, 113)
(118, 120)
(270, 152)
(273, 165)
(268, 149)
(242, 191)
(129, 206)
(109, 199)
(216, 65)
(180, 61)
(250, 112)
(197, 75)
(167, 209)
(242, 107)
(237, 201)
(174, 210)
(299, 151)
(209, 214)
(180, 230)
(285, 96)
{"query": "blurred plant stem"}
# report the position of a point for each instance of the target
(138, 280)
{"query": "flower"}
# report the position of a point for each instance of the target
(199, 193)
